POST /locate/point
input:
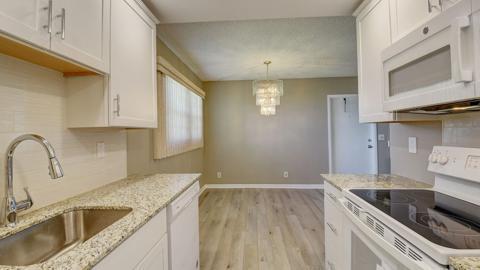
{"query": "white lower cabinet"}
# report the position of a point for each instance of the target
(145, 249)
(334, 238)
(157, 258)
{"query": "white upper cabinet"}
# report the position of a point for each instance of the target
(133, 94)
(27, 20)
(80, 31)
(127, 97)
(407, 15)
(373, 35)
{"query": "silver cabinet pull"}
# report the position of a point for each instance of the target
(331, 265)
(50, 11)
(62, 30)
(333, 197)
(334, 230)
(117, 101)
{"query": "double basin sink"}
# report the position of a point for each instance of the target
(56, 235)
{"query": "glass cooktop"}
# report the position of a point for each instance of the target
(443, 220)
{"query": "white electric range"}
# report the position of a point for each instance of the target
(397, 229)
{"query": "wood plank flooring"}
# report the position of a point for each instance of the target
(261, 229)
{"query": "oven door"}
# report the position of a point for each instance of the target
(365, 254)
(432, 65)
(366, 250)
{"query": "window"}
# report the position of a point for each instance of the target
(180, 119)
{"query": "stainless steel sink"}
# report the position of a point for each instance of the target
(55, 236)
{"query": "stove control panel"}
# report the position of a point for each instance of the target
(456, 161)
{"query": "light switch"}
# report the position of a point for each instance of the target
(100, 149)
(412, 145)
(381, 137)
(219, 175)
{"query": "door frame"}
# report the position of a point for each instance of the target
(330, 150)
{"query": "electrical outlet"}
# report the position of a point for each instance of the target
(219, 175)
(285, 174)
(100, 150)
(412, 145)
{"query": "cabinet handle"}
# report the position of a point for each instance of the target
(334, 230)
(333, 197)
(50, 11)
(331, 265)
(117, 101)
(431, 6)
(62, 30)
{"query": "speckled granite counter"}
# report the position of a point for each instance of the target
(146, 195)
(465, 263)
(348, 181)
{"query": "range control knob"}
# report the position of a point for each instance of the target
(443, 160)
(433, 158)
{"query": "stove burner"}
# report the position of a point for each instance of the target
(387, 199)
(443, 223)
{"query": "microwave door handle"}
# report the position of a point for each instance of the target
(460, 74)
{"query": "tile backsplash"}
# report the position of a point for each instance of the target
(33, 100)
(462, 130)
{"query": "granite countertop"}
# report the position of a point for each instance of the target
(348, 181)
(146, 195)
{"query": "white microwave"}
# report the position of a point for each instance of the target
(438, 63)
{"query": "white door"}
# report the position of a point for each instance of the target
(133, 87)
(407, 15)
(26, 20)
(353, 146)
(373, 35)
(81, 31)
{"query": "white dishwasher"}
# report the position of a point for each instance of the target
(183, 229)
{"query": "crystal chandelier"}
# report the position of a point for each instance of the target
(267, 93)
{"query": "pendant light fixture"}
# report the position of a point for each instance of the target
(267, 93)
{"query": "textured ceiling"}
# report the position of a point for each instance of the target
(181, 11)
(236, 50)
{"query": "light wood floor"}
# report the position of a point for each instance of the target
(261, 229)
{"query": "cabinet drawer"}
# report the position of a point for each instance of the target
(131, 252)
(332, 193)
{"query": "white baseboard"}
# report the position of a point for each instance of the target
(261, 186)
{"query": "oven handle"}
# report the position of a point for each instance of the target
(460, 73)
(378, 241)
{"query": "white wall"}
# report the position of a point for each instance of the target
(33, 100)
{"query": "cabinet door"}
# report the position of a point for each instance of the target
(334, 238)
(406, 15)
(133, 92)
(373, 35)
(157, 258)
(81, 31)
(26, 20)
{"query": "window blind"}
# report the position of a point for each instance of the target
(181, 125)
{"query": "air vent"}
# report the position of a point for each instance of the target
(349, 206)
(414, 255)
(356, 211)
(370, 222)
(400, 245)
(380, 229)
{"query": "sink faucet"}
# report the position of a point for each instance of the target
(12, 207)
